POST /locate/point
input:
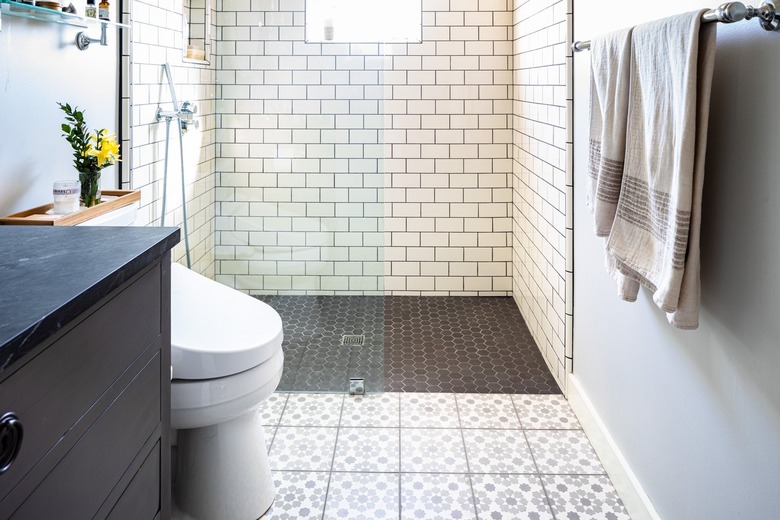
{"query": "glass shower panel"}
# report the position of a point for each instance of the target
(318, 250)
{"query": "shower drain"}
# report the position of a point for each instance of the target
(353, 339)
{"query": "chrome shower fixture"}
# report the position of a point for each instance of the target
(185, 115)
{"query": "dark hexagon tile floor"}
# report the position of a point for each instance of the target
(314, 358)
(412, 344)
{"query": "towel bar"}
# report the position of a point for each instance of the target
(729, 12)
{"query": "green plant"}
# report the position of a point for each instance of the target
(91, 152)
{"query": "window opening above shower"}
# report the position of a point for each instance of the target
(363, 21)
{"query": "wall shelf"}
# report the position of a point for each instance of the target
(31, 12)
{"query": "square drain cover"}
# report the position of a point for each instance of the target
(352, 339)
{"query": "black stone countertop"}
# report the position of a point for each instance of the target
(49, 275)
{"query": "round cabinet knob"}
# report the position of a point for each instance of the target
(10, 440)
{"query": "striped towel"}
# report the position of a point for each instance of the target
(609, 87)
(655, 235)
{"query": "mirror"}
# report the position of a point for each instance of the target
(197, 30)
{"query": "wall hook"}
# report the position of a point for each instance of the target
(83, 40)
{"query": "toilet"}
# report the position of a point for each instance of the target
(226, 352)
(226, 357)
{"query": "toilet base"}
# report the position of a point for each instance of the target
(223, 471)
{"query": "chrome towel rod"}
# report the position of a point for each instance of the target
(729, 12)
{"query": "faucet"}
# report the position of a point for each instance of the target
(185, 114)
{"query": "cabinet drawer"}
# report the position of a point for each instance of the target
(77, 487)
(141, 499)
(54, 394)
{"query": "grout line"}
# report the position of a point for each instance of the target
(400, 447)
(531, 451)
(332, 460)
(278, 423)
(466, 455)
(517, 413)
(539, 476)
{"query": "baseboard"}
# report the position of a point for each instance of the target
(629, 489)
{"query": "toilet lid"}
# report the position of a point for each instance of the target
(217, 331)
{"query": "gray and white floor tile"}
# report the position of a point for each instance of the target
(429, 411)
(271, 409)
(487, 411)
(303, 449)
(448, 457)
(436, 497)
(299, 495)
(313, 410)
(510, 497)
(545, 412)
(498, 451)
(584, 497)
(367, 450)
(268, 434)
(432, 451)
(370, 411)
(563, 451)
(363, 496)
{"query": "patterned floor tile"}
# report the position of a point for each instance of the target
(363, 496)
(563, 451)
(545, 412)
(304, 449)
(436, 497)
(487, 411)
(432, 450)
(510, 497)
(271, 409)
(268, 433)
(367, 449)
(313, 410)
(429, 411)
(299, 495)
(371, 410)
(584, 497)
(498, 451)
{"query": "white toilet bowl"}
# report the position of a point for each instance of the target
(226, 352)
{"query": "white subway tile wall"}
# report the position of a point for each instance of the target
(365, 168)
(542, 201)
(157, 38)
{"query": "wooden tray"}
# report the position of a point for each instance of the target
(38, 217)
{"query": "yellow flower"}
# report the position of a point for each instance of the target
(106, 149)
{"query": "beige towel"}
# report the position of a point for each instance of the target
(655, 236)
(610, 59)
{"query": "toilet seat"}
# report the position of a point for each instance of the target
(217, 331)
(195, 404)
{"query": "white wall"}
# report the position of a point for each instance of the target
(39, 66)
(696, 414)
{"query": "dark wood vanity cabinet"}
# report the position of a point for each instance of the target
(93, 401)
